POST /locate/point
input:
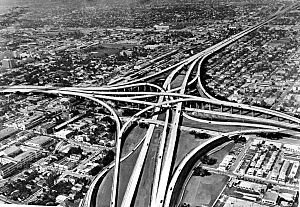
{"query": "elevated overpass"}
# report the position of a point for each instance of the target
(191, 103)
(150, 97)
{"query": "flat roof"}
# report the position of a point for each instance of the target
(7, 165)
(39, 140)
(23, 155)
(4, 133)
(270, 196)
(11, 150)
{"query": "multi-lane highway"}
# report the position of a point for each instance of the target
(147, 96)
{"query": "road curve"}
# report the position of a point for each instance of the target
(170, 201)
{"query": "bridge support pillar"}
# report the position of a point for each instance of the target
(231, 110)
(221, 108)
(209, 107)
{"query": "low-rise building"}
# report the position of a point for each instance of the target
(226, 162)
(8, 169)
(288, 194)
(283, 171)
(39, 141)
(61, 198)
(246, 185)
(5, 159)
(259, 173)
(47, 128)
(270, 198)
(65, 133)
(275, 171)
(75, 157)
(65, 164)
(251, 171)
(7, 132)
(294, 169)
(26, 157)
(291, 148)
(32, 122)
(12, 151)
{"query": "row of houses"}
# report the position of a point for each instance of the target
(268, 160)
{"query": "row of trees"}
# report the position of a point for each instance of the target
(200, 135)
(205, 159)
(271, 135)
(199, 171)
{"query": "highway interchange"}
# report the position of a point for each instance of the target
(147, 96)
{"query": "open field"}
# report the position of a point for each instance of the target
(186, 143)
(204, 190)
(101, 52)
(177, 81)
(109, 49)
(136, 134)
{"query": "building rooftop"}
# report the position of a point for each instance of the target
(4, 133)
(7, 165)
(39, 140)
(270, 196)
(23, 155)
(12, 150)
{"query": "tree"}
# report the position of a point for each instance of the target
(95, 170)
(269, 186)
(239, 139)
(199, 171)
(108, 158)
(107, 119)
(193, 132)
(211, 161)
(208, 160)
(143, 125)
(201, 135)
(51, 179)
(75, 150)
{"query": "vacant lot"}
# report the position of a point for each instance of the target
(178, 81)
(204, 190)
(186, 143)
